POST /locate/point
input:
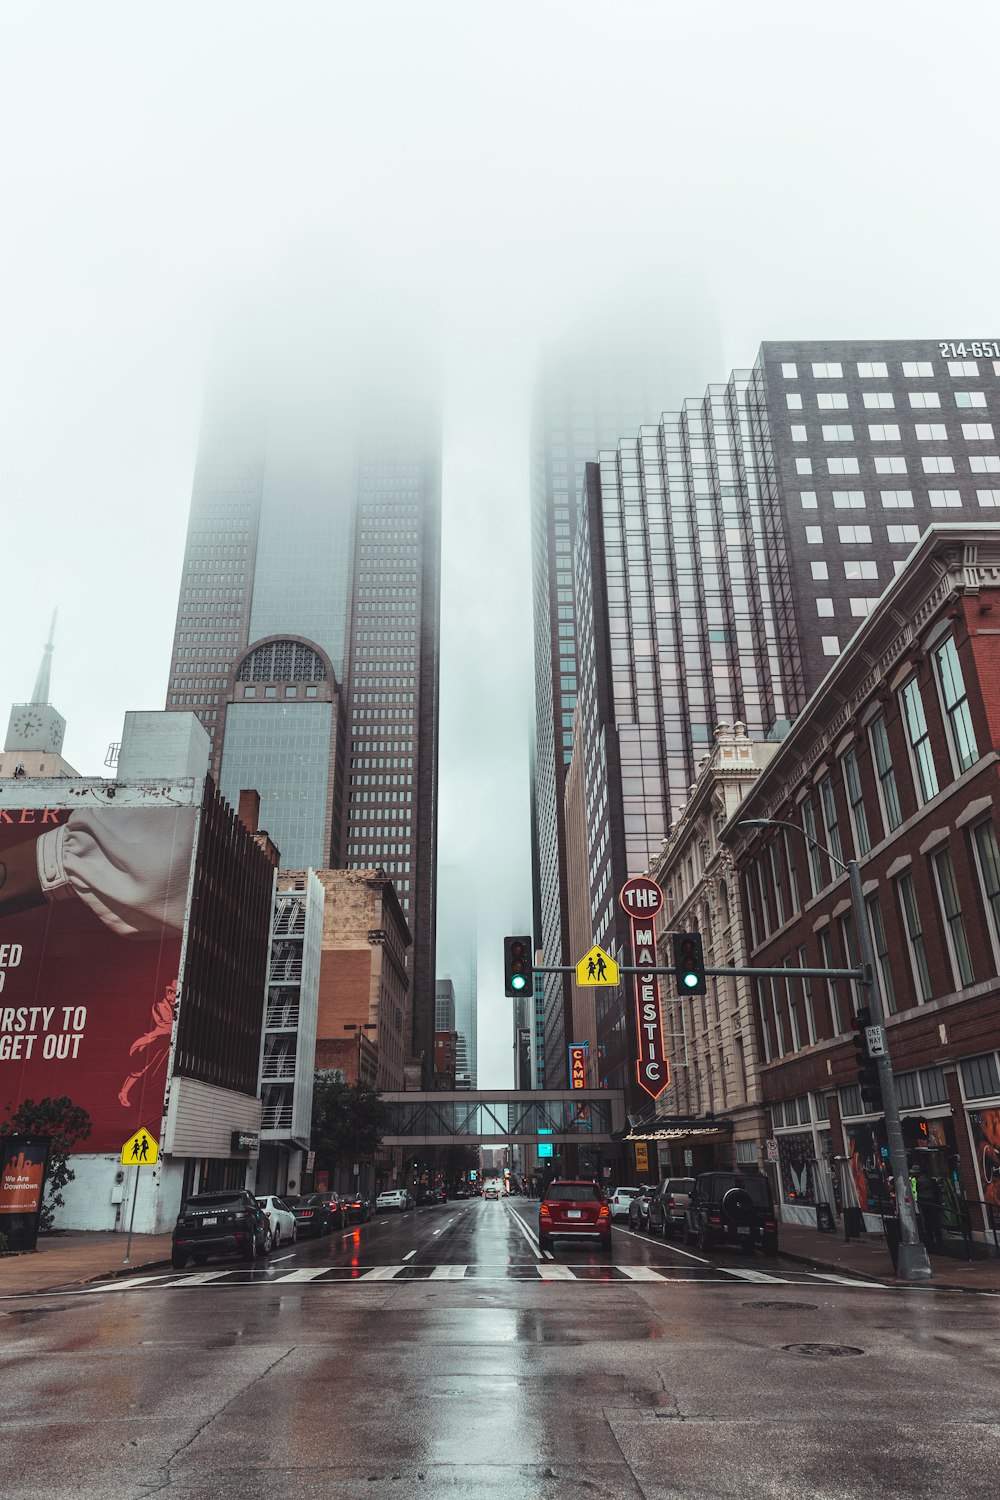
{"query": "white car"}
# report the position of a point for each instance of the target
(280, 1219)
(394, 1198)
(620, 1200)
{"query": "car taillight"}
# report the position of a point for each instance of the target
(305, 1213)
(543, 1208)
(770, 1224)
(605, 1212)
(715, 1218)
(670, 1201)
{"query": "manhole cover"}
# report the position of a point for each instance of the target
(822, 1351)
(782, 1306)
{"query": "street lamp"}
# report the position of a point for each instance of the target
(913, 1259)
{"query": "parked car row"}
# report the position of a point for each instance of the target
(234, 1222)
(715, 1208)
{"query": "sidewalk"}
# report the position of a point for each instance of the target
(869, 1256)
(75, 1258)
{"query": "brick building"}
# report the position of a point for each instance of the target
(893, 762)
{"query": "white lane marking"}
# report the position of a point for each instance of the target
(381, 1273)
(528, 1235)
(755, 1276)
(307, 1274)
(675, 1249)
(276, 1259)
(557, 1273)
(448, 1273)
(409, 1254)
(122, 1286)
(202, 1278)
(845, 1280)
(641, 1273)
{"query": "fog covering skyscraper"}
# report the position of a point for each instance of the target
(307, 627)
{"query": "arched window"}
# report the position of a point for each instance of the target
(282, 661)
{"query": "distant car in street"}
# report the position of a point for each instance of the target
(732, 1207)
(312, 1214)
(358, 1207)
(426, 1195)
(638, 1209)
(667, 1206)
(571, 1208)
(619, 1201)
(442, 1195)
(491, 1190)
(461, 1192)
(221, 1223)
(280, 1219)
(393, 1198)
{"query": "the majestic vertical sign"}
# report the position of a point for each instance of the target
(641, 899)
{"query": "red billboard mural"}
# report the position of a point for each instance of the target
(92, 904)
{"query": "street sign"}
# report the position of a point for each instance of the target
(772, 1150)
(641, 1156)
(597, 968)
(875, 1038)
(140, 1150)
(641, 897)
(689, 1158)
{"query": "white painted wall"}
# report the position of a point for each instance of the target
(90, 1199)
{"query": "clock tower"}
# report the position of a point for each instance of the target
(35, 731)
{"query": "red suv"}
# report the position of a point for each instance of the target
(573, 1208)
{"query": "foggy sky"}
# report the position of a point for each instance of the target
(511, 175)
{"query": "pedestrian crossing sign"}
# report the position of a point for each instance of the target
(597, 968)
(140, 1150)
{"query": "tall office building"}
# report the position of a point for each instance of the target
(458, 957)
(725, 557)
(586, 399)
(307, 629)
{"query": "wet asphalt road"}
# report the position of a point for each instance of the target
(437, 1353)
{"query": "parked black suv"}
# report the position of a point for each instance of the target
(221, 1223)
(731, 1206)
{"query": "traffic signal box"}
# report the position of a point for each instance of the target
(516, 965)
(871, 1092)
(689, 963)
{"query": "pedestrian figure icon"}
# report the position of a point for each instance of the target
(144, 1148)
(592, 968)
(602, 967)
(135, 1149)
(597, 968)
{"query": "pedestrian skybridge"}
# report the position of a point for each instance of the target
(499, 1117)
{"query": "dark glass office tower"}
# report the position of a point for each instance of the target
(307, 628)
(586, 399)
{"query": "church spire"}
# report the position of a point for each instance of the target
(43, 680)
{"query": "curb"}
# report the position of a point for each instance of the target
(890, 1280)
(42, 1291)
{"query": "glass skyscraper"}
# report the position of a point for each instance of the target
(307, 629)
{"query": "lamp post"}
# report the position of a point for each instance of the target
(913, 1261)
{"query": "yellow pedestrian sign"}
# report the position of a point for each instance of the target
(140, 1150)
(597, 968)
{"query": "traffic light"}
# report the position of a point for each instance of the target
(871, 1091)
(689, 963)
(516, 965)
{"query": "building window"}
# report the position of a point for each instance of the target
(793, 878)
(808, 499)
(897, 499)
(892, 464)
(824, 608)
(794, 403)
(938, 465)
(925, 776)
(764, 1028)
(872, 370)
(815, 864)
(883, 432)
(881, 954)
(828, 371)
(879, 400)
(820, 570)
(961, 734)
(925, 400)
(807, 997)
(958, 946)
(862, 608)
(961, 369)
(988, 858)
(814, 535)
(831, 822)
(855, 533)
(803, 466)
(980, 1076)
(792, 1001)
(888, 794)
(930, 432)
(977, 432)
(779, 894)
(945, 499)
(908, 534)
(832, 401)
(861, 568)
(831, 645)
(988, 498)
(842, 433)
(790, 372)
(914, 936)
(856, 803)
(842, 466)
(833, 994)
(970, 398)
(799, 434)
(984, 463)
(848, 499)
(916, 369)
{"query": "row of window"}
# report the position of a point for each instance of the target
(913, 369)
(889, 432)
(886, 401)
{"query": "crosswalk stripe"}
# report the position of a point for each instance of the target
(448, 1273)
(846, 1280)
(123, 1286)
(553, 1272)
(755, 1276)
(381, 1273)
(641, 1273)
(200, 1278)
(305, 1275)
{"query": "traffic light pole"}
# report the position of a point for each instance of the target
(913, 1260)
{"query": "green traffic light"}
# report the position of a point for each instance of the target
(517, 981)
(690, 980)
